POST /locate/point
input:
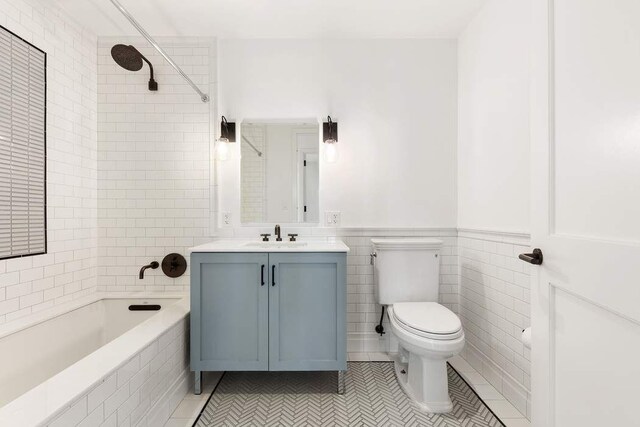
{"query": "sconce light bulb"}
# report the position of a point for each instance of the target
(331, 150)
(222, 149)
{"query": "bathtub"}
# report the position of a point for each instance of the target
(109, 359)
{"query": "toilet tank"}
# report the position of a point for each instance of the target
(406, 270)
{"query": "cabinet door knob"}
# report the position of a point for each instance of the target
(262, 276)
(273, 275)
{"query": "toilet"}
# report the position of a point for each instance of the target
(407, 273)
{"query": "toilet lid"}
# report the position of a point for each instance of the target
(427, 317)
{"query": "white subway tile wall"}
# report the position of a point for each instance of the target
(253, 175)
(144, 391)
(495, 299)
(153, 163)
(68, 270)
(363, 314)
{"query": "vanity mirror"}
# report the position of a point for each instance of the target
(279, 171)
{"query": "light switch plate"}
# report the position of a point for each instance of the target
(332, 218)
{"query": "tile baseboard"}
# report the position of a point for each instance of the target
(367, 342)
(515, 392)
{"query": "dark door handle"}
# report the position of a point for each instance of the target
(273, 275)
(534, 258)
(262, 276)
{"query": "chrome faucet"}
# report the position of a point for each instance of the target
(277, 232)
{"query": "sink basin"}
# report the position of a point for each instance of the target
(275, 245)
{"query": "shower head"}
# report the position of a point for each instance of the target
(129, 58)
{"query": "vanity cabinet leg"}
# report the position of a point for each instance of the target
(341, 375)
(197, 386)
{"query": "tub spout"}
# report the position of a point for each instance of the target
(153, 265)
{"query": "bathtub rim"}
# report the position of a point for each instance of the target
(25, 322)
(44, 402)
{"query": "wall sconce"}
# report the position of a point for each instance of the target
(227, 136)
(330, 137)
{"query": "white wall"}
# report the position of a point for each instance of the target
(68, 270)
(493, 114)
(395, 102)
(493, 194)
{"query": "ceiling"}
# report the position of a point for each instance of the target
(279, 18)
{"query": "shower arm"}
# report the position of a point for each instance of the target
(149, 64)
(252, 146)
(153, 85)
(203, 96)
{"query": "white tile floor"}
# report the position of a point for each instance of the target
(509, 415)
(190, 407)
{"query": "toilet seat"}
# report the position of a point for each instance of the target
(428, 320)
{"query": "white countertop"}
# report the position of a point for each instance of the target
(238, 245)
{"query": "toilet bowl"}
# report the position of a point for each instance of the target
(407, 273)
(425, 343)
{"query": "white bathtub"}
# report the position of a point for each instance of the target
(50, 369)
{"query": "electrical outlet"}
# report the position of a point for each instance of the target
(332, 219)
(226, 218)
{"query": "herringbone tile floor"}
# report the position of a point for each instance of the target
(373, 398)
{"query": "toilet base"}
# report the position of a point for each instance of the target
(424, 381)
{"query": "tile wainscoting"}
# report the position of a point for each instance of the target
(494, 308)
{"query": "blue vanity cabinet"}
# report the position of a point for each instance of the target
(229, 312)
(268, 311)
(307, 312)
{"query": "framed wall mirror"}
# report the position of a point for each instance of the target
(279, 172)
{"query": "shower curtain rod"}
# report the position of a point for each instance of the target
(203, 96)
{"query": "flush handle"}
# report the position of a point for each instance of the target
(534, 258)
(273, 275)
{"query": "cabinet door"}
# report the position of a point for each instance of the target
(307, 311)
(229, 311)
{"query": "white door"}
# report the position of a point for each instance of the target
(586, 213)
(311, 186)
(308, 176)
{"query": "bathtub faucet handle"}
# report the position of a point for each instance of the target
(153, 265)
